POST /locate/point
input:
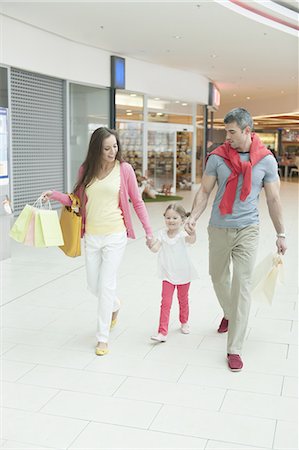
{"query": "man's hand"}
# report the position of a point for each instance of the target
(190, 226)
(281, 245)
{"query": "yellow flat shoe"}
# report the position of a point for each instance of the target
(113, 323)
(101, 351)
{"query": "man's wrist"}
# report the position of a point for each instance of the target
(281, 235)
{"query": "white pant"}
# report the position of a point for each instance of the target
(103, 255)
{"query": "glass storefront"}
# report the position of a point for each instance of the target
(89, 109)
(157, 138)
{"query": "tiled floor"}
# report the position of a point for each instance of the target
(178, 395)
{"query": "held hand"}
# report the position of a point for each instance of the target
(46, 195)
(150, 241)
(190, 225)
(281, 245)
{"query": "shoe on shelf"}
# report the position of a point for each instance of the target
(185, 329)
(235, 362)
(159, 337)
(223, 327)
(101, 351)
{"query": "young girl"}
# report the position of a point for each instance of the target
(175, 268)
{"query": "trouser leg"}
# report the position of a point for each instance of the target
(219, 266)
(102, 282)
(167, 294)
(183, 297)
(243, 258)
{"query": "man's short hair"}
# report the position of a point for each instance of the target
(241, 116)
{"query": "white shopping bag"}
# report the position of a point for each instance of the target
(265, 277)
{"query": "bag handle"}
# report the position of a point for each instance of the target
(41, 203)
(75, 202)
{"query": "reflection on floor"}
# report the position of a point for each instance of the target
(178, 395)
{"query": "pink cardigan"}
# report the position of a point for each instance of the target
(128, 189)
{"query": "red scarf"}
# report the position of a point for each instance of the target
(232, 159)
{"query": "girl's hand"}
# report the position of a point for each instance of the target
(47, 195)
(190, 226)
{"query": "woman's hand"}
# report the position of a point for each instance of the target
(150, 241)
(46, 195)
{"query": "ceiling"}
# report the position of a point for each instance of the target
(249, 51)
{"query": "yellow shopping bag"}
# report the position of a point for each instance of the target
(47, 231)
(20, 227)
(265, 277)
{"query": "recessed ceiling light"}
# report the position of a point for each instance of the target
(177, 37)
(282, 92)
(128, 110)
(133, 95)
(157, 98)
(213, 56)
(247, 98)
(234, 95)
(129, 114)
(184, 104)
(177, 101)
(244, 69)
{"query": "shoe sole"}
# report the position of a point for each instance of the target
(157, 340)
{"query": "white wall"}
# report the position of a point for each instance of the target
(32, 49)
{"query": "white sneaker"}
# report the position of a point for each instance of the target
(159, 337)
(185, 329)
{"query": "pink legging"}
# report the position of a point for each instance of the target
(167, 294)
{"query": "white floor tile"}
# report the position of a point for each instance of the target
(14, 445)
(35, 337)
(98, 436)
(219, 445)
(290, 387)
(73, 380)
(211, 425)
(13, 370)
(286, 435)
(225, 379)
(171, 393)
(40, 429)
(141, 368)
(28, 398)
(97, 408)
(49, 356)
(260, 405)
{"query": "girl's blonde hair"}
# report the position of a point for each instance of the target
(179, 209)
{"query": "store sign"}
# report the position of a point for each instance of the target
(118, 72)
(214, 96)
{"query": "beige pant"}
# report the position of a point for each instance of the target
(231, 261)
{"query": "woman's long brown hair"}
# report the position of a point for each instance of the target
(92, 164)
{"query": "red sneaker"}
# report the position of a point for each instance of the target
(223, 327)
(235, 362)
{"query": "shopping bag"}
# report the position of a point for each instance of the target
(47, 228)
(70, 222)
(265, 278)
(29, 238)
(20, 227)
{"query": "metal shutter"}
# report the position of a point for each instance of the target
(37, 130)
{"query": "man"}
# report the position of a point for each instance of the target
(241, 167)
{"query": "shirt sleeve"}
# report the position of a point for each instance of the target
(271, 169)
(211, 166)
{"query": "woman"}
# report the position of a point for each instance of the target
(105, 184)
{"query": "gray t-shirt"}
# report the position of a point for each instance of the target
(244, 213)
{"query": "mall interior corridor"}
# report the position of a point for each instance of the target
(57, 394)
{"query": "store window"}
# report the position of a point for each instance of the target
(129, 124)
(89, 109)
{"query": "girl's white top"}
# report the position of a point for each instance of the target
(174, 263)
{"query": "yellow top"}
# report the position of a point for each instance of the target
(103, 214)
